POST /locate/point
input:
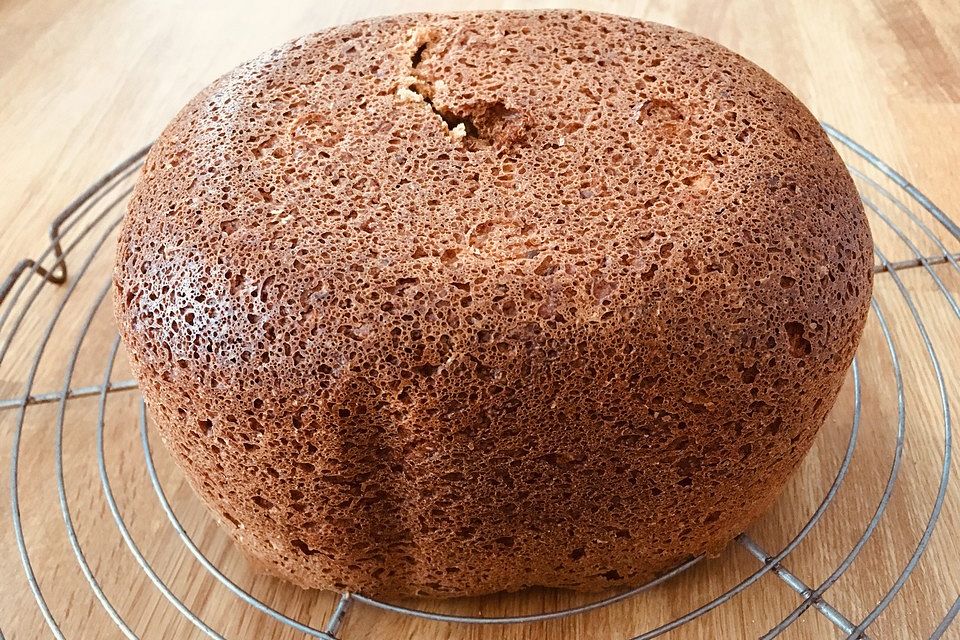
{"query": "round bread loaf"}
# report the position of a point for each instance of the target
(454, 304)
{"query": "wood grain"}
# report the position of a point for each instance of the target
(82, 85)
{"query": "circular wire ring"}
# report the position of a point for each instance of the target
(94, 208)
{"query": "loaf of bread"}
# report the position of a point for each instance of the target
(454, 304)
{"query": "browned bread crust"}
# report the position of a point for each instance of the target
(453, 304)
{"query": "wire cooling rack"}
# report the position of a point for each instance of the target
(912, 237)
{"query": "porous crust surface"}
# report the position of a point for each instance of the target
(455, 304)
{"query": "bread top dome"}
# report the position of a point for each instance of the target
(402, 195)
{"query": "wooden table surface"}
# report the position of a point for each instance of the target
(83, 85)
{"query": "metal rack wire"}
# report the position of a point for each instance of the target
(92, 218)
